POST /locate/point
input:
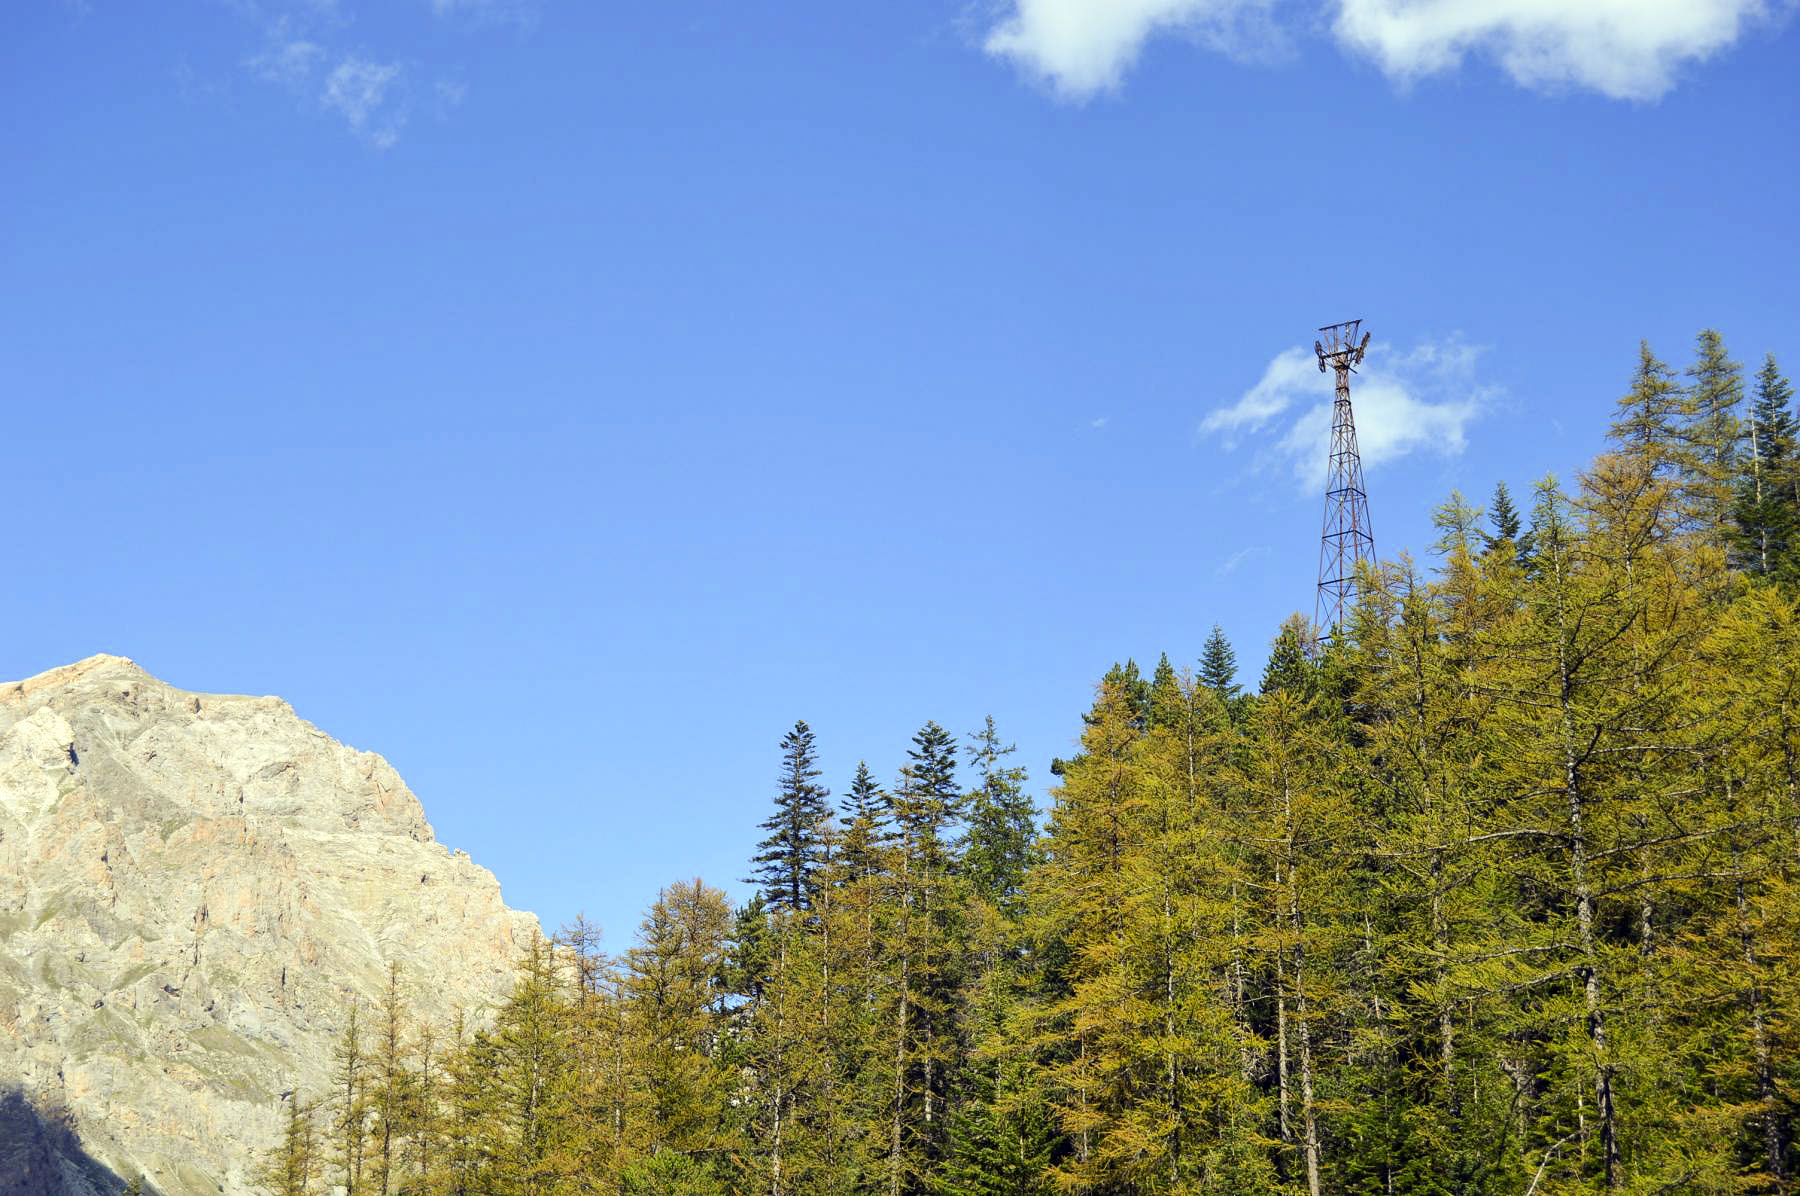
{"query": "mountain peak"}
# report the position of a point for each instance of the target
(191, 888)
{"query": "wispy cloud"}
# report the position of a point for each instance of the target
(1291, 373)
(1626, 49)
(488, 12)
(1098, 423)
(289, 62)
(370, 96)
(374, 91)
(1230, 564)
(1420, 401)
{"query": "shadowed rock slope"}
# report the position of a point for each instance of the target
(191, 888)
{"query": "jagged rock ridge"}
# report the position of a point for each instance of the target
(191, 886)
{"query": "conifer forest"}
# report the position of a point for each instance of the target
(1495, 891)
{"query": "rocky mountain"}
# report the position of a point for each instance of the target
(192, 888)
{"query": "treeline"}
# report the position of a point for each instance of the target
(1492, 891)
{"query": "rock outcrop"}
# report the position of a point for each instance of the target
(192, 888)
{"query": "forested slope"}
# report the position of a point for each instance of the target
(1493, 893)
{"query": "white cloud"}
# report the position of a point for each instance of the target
(1081, 47)
(1289, 374)
(1417, 402)
(366, 95)
(1626, 49)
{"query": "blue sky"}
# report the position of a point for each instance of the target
(563, 399)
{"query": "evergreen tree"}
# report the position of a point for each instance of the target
(1508, 536)
(1131, 685)
(471, 1111)
(865, 801)
(1767, 510)
(924, 966)
(788, 860)
(866, 829)
(670, 1174)
(1002, 822)
(1218, 666)
(1288, 668)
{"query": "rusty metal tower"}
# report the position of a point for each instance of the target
(1346, 541)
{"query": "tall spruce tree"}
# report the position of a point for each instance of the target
(789, 858)
(1001, 822)
(1508, 535)
(927, 806)
(865, 831)
(1218, 666)
(1767, 510)
(1288, 668)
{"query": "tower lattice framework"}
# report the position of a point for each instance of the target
(1345, 540)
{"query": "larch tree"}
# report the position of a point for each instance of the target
(1713, 432)
(289, 1169)
(350, 1095)
(677, 1008)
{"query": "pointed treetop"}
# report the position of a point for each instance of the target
(1508, 534)
(1647, 422)
(792, 854)
(865, 799)
(1288, 668)
(1218, 665)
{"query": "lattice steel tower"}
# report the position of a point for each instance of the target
(1346, 540)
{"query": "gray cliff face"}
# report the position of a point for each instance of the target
(192, 887)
